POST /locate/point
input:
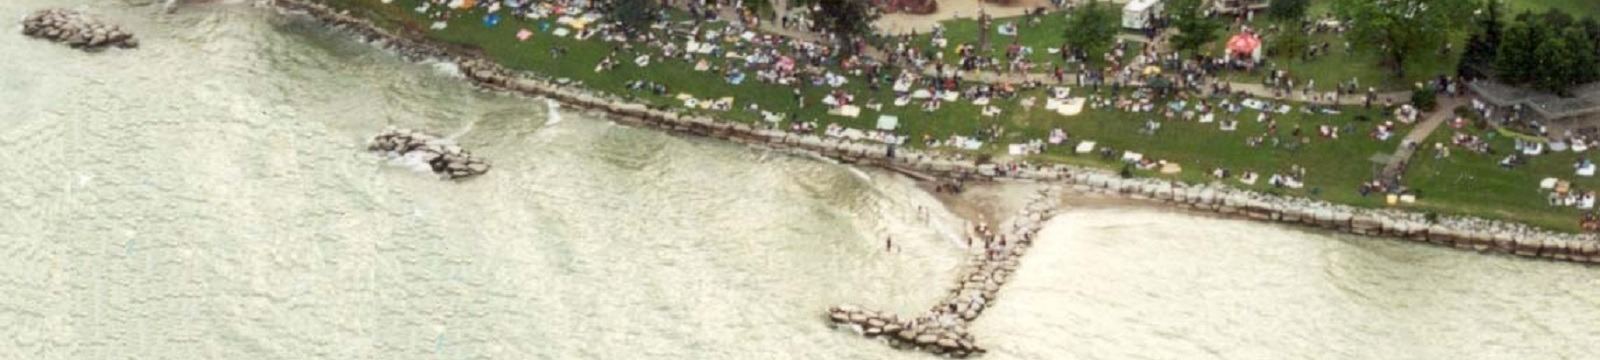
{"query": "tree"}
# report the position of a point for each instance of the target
(849, 19)
(1424, 99)
(1397, 29)
(1547, 54)
(635, 16)
(1514, 61)
(1484, 43)
(1584, 66)
(1291, 42)
(1288, 9)
(1555, 69)
(1092, 28)
(1195, 29)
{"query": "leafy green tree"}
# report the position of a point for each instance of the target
(1398, 29)
(1291, 42)
(1092, 28)
(1424, 99)
(1514, 61)
(849, 19)
(1556, 58)
(1585, 62)
(1484, 43)
(1288, 9)
(636, 16)
(1591, 27)
(1195, 29)
(1547, 53)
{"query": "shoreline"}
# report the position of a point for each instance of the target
(1482, 235)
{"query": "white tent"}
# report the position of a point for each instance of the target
(1137, 13)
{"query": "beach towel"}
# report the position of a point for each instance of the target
(888, 122)
(1072, 107)
(849, 111)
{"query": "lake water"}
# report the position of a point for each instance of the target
(208, 196)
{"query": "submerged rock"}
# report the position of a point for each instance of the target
(441, 156)
(76, 29)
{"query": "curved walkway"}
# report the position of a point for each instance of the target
(1414, 140)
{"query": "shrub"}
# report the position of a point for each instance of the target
(1424, 99)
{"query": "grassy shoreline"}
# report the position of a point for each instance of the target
(1335, 166)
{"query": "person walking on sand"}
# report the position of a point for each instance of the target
(888, 244)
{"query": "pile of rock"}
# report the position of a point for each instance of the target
(943, 329)
(443, 156)
(76, 29)
(954, 341)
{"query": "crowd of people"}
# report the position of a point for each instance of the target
(929, 73)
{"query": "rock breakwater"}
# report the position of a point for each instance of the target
(1460, 232)
(76, 29)
(943, 328)
(442, 156)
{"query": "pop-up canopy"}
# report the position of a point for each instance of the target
(1245, 45)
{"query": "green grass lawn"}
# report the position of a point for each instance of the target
(1327, 70)
(1335, 167)
(1470, 183)
(1041, 36)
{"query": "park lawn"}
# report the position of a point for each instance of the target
(1328, 69)
(1047, 34)
(501, 45)
(1469, 183)
(1337, 65)
(1335, 167)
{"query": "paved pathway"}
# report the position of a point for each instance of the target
(1420, 133)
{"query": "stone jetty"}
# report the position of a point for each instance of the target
(943, 329)
(443, 156)
(1466, 233)
(76, 29)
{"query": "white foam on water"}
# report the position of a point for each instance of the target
(860, 174)
(445, 67)
(411, 160)
(554, 107)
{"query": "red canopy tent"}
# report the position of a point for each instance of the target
(1245, 45)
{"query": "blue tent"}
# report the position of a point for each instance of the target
(491, 20)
